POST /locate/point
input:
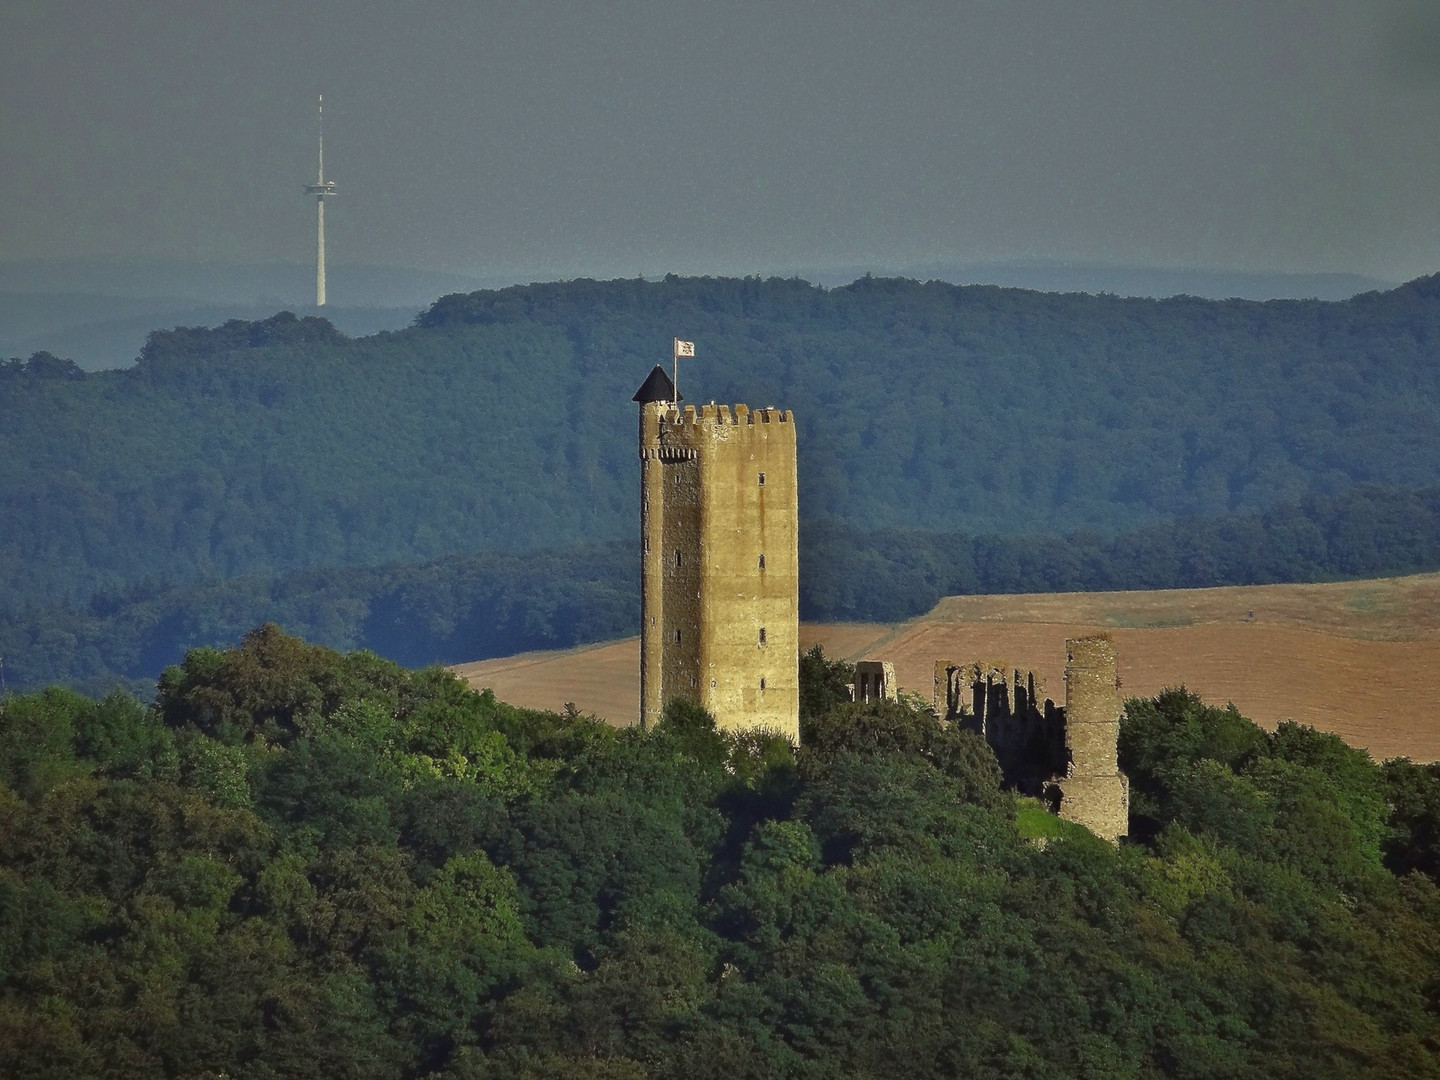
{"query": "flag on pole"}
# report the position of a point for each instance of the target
(684, 349)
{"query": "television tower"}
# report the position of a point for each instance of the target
(320, 189)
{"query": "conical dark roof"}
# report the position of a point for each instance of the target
(656, 387)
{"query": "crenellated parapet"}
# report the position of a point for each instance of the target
(724, 415)
(680, 434)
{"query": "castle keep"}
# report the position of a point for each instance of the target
(719, 601)
(1065, 755)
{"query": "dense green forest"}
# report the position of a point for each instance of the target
(502, 421)
(471, 607)
(302, 863)
(280, 470)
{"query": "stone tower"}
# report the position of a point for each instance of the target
(719, 600)
(1093, 790)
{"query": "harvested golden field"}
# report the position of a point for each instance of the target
(1360, 658)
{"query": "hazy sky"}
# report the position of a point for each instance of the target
(726, 136)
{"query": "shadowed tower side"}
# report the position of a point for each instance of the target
(719, 519)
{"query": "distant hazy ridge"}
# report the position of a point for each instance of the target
(98, 313)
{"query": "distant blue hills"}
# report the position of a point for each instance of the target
(1141, 281)
(98, 312)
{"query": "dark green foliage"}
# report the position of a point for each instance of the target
(905, 730)
(824, 683)
(41, 365)
(1296, 795)
(888, 774)
(172, 353)
(261, 690)
(1413, 792)
(456, 609)
(1162, 742)
(37, 740)
(691, 730)
(1365, 531)
(1269, 845)
(302, 863)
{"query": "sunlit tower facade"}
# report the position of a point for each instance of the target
(320, 189)
(720, 582)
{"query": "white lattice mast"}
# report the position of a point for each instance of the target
(320, 189)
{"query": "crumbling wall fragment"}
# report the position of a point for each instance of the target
(875, 681)
(1066, 755)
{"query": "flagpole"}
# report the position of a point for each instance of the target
(679, 348)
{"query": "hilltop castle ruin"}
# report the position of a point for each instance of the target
(1065, 755)
(719, 600)
(719, 612)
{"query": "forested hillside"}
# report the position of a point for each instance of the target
(298, 863)
(470, 607)
(501, 424)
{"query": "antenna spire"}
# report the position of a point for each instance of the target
(320, 189)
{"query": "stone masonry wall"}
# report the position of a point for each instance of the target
(1093, 790)
(1008, 708)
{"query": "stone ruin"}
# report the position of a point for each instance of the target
(874, 681)
(1064, 755)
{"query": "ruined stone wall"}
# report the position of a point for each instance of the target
(1008, 708)
(875, 681)
(722, 551)
(1064, 754)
